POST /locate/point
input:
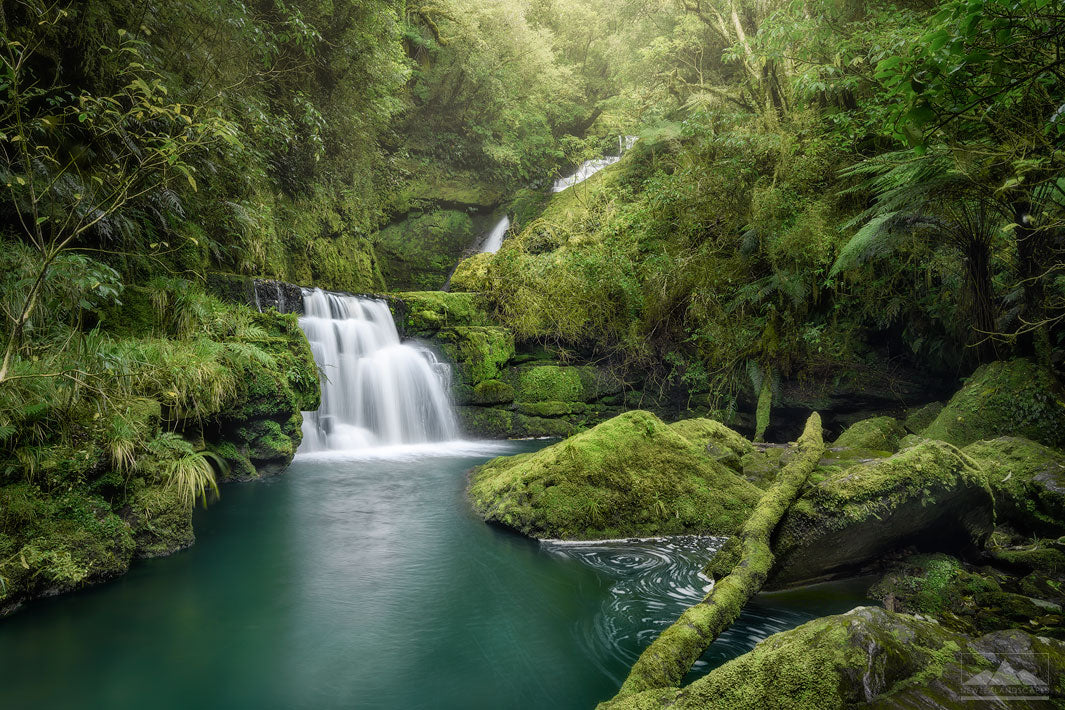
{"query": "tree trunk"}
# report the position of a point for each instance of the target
(978, 273)
(669, 658)
(1029, 246)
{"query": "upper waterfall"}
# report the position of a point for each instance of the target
(376, 390)
(494, 240)
(590, 167)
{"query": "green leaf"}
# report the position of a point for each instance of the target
(920, 115)
(937, 39)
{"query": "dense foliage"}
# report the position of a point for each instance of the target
(844, 183)
(822, 189)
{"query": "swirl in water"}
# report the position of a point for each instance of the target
(653, 581)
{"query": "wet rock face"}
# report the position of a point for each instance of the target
(927, 495)
(281, 296)
(874, 658)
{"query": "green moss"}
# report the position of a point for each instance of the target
(630, 475)
(740, 569)
(472, 274)
(963, 598)
(489, 422)
(1010, 398)
(420, 251)
(493, 392)
(479, 352)
(548, 383)
(878, 434)
(550, 409)
(1028, 480)
(535, 427)
(160, 519)
(423, 313)
(761, 466)
(831, 663)
(1047, 556)
(265, 440)
(919, 418)
(240, 467)
(58, 542)
(436, 183)
(496, 423)
(720, 443)
(765, 406)
(930, 495)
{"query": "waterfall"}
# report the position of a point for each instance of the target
(590, 167)
(494, 240)
(376, 390)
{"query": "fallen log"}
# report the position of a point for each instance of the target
(669, 658)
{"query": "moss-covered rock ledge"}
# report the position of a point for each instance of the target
(630, 476)
(214, 397)
(503, 388)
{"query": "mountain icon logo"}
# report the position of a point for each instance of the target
(1005, 675)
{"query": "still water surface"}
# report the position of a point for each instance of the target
(368, 583)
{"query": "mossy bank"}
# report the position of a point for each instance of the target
(205, 392)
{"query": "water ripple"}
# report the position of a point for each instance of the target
(653, 581)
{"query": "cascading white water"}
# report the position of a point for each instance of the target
(494, 240)
(376, 390)
(590, 167)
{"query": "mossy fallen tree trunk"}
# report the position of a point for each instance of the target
(666, 661)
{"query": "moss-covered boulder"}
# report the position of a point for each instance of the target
(930, 496)
(1008, 398)
(1028, 480)
(918, 419)
(720, 443)
(480, 353)
(870, 658)
(471, 274)
(875, 434)
(629, 476)
(492, 392)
